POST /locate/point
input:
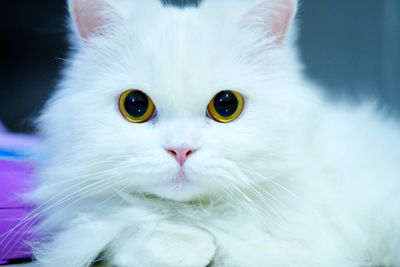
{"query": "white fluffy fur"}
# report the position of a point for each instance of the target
(294, 181)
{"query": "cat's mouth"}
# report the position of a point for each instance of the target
(181, 186)
(178, 183)
(181, 177)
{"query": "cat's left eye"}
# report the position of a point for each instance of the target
(226, 106)
(136, 106)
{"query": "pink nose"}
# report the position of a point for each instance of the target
(181, 153)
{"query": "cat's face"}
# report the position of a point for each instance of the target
(180, 59)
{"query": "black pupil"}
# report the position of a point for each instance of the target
(225, 103)
(136, 104)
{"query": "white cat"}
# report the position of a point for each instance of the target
(153, 162)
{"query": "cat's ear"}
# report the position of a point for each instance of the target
(274, 17)
(92, 17)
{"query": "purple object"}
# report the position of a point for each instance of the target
(16, 174)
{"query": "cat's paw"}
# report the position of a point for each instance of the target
(168, 245)
(181, 246)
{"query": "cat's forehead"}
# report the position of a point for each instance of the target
(184, 54)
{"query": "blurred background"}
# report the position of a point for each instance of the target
(350, 47)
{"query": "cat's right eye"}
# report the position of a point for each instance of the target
(136, 106)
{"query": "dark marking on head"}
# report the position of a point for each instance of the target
(182, 3)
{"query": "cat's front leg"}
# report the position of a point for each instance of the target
(79, 244)
(166, 245)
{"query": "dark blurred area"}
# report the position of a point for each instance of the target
(351, 47)
(32, 45)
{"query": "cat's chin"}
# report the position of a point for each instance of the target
(183, 192)
(179, 187)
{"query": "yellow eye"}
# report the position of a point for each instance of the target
(136, 106)
(225, 106)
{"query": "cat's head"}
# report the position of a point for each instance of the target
(224, 81)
